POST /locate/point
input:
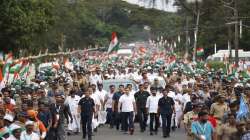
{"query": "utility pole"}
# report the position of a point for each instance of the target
(196, 34)
(236, 34)
(187, 37)
(230, 43)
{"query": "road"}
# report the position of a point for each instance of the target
(105, 133)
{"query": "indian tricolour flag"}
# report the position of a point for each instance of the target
(200, 51)
(24, 70)
(6, 68)
(114, 44)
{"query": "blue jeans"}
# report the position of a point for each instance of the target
(127, 120)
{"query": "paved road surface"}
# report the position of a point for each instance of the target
(104, 133)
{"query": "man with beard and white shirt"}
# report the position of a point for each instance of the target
(127, 107)
(152, 106)
(72, 100)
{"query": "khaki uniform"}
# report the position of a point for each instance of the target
(226, 131)
(218, 111)
(188, 119)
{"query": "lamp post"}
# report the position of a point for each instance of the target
(196, 30)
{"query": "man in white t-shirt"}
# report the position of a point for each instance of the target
(127, 107)
(152, 107)
(108, 105)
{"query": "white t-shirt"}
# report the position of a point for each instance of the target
(109, 98)
(127, 102)
(32, 136)
(152, 103)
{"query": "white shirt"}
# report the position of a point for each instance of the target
(95, 78)
(101, 94)
(152, 103)
(121, 76)
(127, 102)
(11, 138)
(186, 98)
(96, 98)
(171, 94)
(73, 103)
(109, 98)
(32, 136)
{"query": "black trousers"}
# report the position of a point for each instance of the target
(154, 122)
(86, 125)
(110, 117)
(127, 121)
(142, 118)
(117, 119)
(166, 123)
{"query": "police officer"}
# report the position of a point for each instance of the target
(166, 109)
(86, 108)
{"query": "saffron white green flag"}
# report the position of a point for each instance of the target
(114, 44)
(200, 51)
(6, 68)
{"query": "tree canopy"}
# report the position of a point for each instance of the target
(30, 26)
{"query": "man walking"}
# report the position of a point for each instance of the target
(73, 101)
(166, 109)
(127, 107)
(108, 105)
(202, 129)
(141, 99)
(151, 106)
(86, 108)
(115, 108)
